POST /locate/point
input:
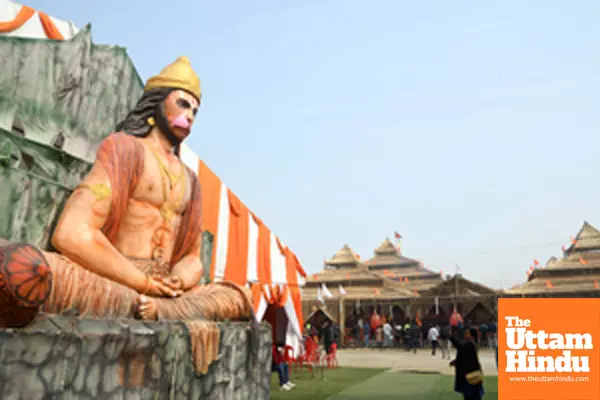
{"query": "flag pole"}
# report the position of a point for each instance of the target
(398, 242)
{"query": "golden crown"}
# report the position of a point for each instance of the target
(178, 75)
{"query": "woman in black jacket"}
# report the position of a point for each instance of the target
(467, 366)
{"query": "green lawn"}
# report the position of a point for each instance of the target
(334, 381)
(367, 383)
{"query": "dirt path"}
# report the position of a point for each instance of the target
(399, 360)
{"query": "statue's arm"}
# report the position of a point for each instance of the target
(78, 233)
(190, 269)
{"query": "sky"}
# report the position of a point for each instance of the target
(469, 127)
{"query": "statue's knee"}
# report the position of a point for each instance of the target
(25, 283)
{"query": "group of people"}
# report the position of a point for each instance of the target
(464, 340)
(382, 331)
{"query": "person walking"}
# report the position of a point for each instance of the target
(433, 336)
(398, 335)
(357, 328)
(327, 336)
(483, 335)
(415, 334)
(444, 342)
(407, 336)
(282, 368)
(367, 330)
(388, 334)
(492, 332)
(468, 378)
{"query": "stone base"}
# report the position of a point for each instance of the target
(61, 357)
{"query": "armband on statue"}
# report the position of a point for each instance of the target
(100, 190)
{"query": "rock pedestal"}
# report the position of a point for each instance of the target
(61, 357)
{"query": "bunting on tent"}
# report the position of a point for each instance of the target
(22, 21)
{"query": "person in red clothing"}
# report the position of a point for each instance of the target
(282, 368)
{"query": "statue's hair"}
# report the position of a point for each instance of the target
(136, 122)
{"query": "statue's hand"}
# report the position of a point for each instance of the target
(173, 282)
(157, 288)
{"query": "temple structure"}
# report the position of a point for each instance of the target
(577, 273)
(394, 286)
(400, 287)
(388, 259)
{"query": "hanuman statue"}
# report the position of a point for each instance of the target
(129, 237)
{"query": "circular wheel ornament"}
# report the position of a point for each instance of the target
(25, 283)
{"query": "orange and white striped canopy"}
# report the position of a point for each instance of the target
(245, 251)
(23, 21)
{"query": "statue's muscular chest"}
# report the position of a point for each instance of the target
(158, 197)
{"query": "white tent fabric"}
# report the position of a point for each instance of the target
(33, 27)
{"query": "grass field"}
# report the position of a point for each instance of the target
(368, 383)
